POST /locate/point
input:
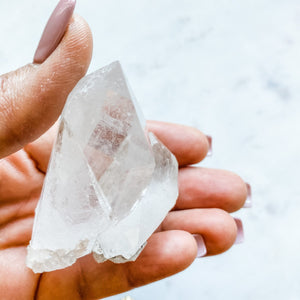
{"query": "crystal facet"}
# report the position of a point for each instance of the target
(110, 182)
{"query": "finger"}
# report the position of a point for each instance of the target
(188, 144)
(32, 98)
(218, 228)
(206, 188)
(19, 180)
(16, 277)
(40, 150)
(166, 253)
(17, 233)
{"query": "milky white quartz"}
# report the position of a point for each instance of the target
(110, 182)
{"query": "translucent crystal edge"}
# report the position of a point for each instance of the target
(45, 260)
(41, 260)
(100, 258)
(60, 259)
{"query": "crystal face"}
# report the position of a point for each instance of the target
(110, 182)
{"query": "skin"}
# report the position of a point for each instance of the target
(28, 108)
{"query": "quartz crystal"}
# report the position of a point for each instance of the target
(110, 182)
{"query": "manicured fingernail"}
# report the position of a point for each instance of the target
(240, 231)
(209, 152)
(54, 30)
(248, 202)
(201, 245)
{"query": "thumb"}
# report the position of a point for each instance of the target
(32, 97)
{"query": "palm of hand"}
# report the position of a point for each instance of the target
(21, 184)
(170, 249)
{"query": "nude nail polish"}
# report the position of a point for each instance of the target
(248, 202)
(54, 30)
(202, 251)
(240, 231)
(209, 152)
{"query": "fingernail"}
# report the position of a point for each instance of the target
(202, 251)
(54, 30)
(248, 202)
(240, 231)
(209, 152)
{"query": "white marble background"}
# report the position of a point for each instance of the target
(230, 68)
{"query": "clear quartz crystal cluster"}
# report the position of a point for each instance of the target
(110, 182)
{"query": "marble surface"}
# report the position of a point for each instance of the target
(230, 68)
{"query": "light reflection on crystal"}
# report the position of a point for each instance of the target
(109, 184)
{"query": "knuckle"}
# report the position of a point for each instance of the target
(3, 83)
(9, 107)
(5, 97)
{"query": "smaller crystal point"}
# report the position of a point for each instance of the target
(110, 182)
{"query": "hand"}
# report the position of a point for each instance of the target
(31, 100)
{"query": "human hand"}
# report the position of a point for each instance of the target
(31, 100)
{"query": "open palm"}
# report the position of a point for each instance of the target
(204, 196)
(198, 225)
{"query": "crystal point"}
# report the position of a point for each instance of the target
(110, 182)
